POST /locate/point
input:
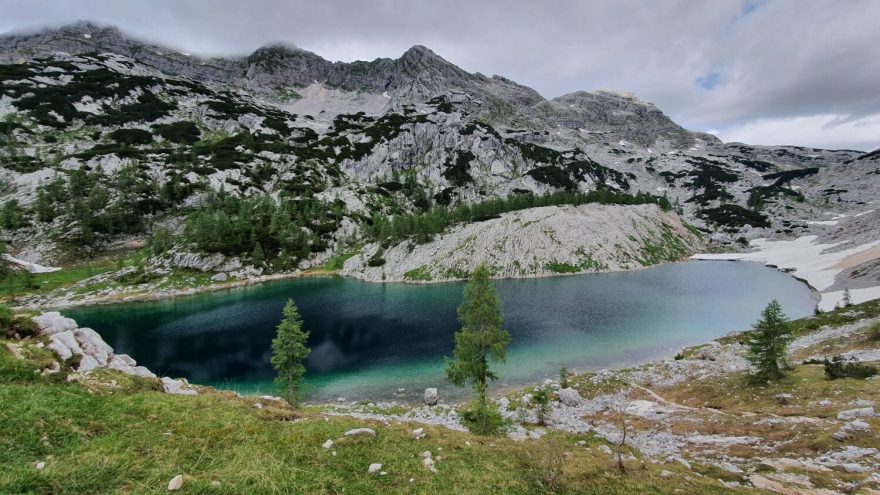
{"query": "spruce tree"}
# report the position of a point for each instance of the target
(480, 340)
(768, 342)
(257, 255)
(289, 352)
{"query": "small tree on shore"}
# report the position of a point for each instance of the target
(289, 352)
(847, 298)
(768, 343)
(480, 340)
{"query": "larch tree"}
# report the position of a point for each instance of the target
(289, 352)
(480, 340)
(768, 342)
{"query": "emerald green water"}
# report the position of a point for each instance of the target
(369, 340)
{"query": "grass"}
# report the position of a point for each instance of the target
(47, 282)
(116, 434)
(336, 262)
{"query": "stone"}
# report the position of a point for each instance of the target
(428, 462)
(426, 454)
(666, 474)
(840, 436)
(852, 467)
(856, 426)
(431, 397)
(418, 433)
(328, 444)
(65, 345)
(87, 363)
(504, 403)
(360, 432)
(570, 397)
(864, 412)
(526, 400)
(125, 358)
(220, 277)
(374, 468)
(93, 345)
(142, 372)
(176, 483)
(172, 386)
(40, 465)
(52, 322)
(258, 405)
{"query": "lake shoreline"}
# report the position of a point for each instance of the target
(49, 303)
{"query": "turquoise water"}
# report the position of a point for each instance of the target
(369, 340)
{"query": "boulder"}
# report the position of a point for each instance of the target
(360, 432)
(87, 363)
(176, 483)
(220, 277)
(176, 387)
(863, 412)
(52, 323)
(840, 436)
(93, 345)
(856, 426)
(327, 444)
(143, 372)
(431, 397)
(65, 344)
(418, 433)
(125, 358)
(526, 400)
(374, 468)
(570, 397)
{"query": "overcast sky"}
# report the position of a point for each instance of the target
(759, 71)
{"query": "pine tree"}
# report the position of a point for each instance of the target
(257, 256)
(768, 342)
(480, 340)
(847, 298)
(289, 352)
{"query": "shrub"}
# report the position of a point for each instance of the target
(131, 136)
(483, 419)
(839, 368)
(874, 332)
(541, 399)
(179, 132)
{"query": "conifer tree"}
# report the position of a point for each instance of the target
(768, 342)
(480, 340)
(289, 352)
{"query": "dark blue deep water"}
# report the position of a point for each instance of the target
(368, 340)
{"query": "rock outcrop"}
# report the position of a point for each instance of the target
(536, 242)
(68, 341)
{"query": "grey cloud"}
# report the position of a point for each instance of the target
(774, 59)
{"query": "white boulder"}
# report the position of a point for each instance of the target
(65, 344)
(570, 397)
(360, 432)
(176, 387)
(87, 363)
(52, 323)
(93, 345)
(431, 397)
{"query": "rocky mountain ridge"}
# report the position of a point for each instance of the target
(106, 141)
